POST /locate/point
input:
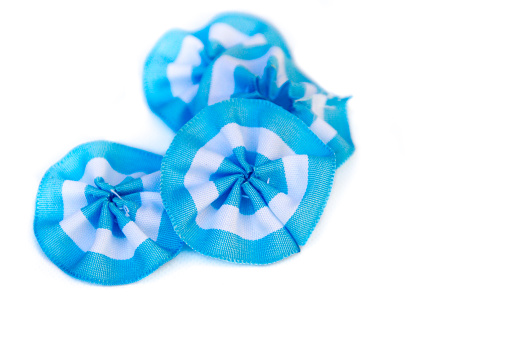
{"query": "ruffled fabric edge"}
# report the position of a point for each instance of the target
(46, 236)
(176, 209)
(173, 109)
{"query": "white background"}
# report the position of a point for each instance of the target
(414, 242)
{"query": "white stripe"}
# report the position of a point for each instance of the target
(310, 90)
(296, 175)
(151, 182)
(222, 83)
(100, 167)
(318, 102)
(228, 36)
(109, 245)
(323, 130)
(80, 230)
(134, 235)
(100, 240)
(272, 146)
(203, 194)
(148, 216)
(118, 248)
(73, 196)
(204, 164)
(254, 139)
(228, 218)
(179, 72)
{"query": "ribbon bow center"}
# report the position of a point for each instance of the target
(120, 203)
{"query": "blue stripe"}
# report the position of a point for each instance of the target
(98, 268)
(304, 221)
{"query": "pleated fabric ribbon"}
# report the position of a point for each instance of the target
(245, 179)
(99, 214)
(239, 56)
(175, 66)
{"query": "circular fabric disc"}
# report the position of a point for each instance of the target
(99, 214)
(246, 181)
(175, 65)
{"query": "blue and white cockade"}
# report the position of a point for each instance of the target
(265, 72)
(239, 56)
(175, 65)
(99, 214)
(246, 181)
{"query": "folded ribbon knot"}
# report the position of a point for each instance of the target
(113, 196)
(251, 86)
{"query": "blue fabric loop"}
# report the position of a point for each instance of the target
(246, 181)
(99, 214)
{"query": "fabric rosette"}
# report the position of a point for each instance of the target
(174, 67)
(99, 214)
(212, 65)
(246, 181)
(265, 72)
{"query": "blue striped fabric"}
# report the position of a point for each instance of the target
(99, 214)
(175, 65)
(246, 181)
(178, 83)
